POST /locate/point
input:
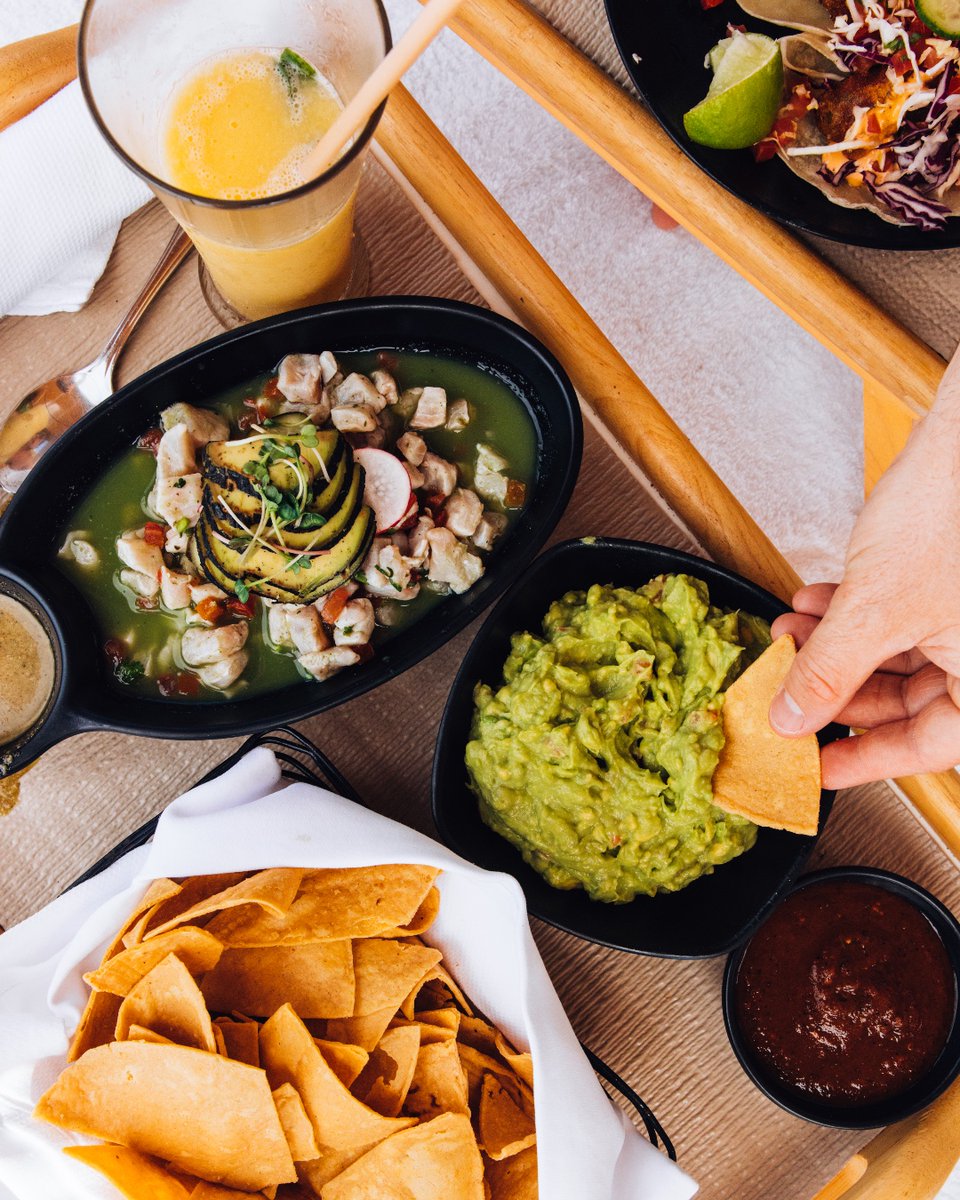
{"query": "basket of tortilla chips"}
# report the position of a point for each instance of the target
(287, 995)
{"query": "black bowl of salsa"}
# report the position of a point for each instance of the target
(843, 1007)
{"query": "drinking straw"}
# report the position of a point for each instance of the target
(378, 86)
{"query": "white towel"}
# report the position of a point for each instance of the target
(248, 819)
(63, 192)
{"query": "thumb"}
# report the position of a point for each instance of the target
(831, 666)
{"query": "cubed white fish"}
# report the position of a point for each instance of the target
(464, 508)
(325, 663)
(201, 647)
(225, 673)
(354, 626)
(451, 562)
(431, 409)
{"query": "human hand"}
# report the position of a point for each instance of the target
(881, 651)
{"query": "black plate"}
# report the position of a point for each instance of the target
(882, 1112)
(713, 914)
(86, 697)
(672, 38)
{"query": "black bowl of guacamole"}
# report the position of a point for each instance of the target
(713, 909)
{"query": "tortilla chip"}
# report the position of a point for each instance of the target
(158, 891)
(317, 1174)
(241, 1040)
(473, 1031)
(522, 1064)
(139, 1033)
(429, 1034)
(168, 1001)
(434, 991)
(317, 979)
(131, 1173)
(273, 890)
(98, 1021)
(334, 904)
(190, 890)
(157, 1099)
(385, 1080)
(387, 971)
(439, 1083)
(347, 1061)
(771, 780)
(361, 1031)
(436, 1160)
(340, 1121)
(476, 1064)
(296, 1124)
(195, 948)
(214, 1191)
(422, 919)
(505, 1129)
(514, 1178)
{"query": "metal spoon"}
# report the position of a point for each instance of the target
(49, 410)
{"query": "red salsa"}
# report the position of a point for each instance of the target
(846, 994)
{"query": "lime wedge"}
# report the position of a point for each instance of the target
(744, 97)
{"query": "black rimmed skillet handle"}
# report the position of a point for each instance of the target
(306, 763)
(60, 723)
(655, 1131)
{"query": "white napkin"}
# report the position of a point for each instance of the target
(63, 192)
(249, 819)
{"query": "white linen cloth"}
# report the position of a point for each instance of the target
(250, 818)
(63, 192)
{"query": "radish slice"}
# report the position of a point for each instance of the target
(386, 486)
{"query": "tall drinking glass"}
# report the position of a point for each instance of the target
(265, 253)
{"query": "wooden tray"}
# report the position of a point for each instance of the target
(657, 1022)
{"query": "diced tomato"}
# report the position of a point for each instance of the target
(901, 62)
(765, 150)
(210, 610)
(436, 502)
(364, 652)
(188, 684)
(183, 684)
(411, 520)
(705, 4)
(516, 494)
(150, 440)
(167, 685)
(243, 608)
(154, 534)
(872, 124)
(245, 420)
(115, 650)
(387, 360)
(272, 388)
(334, 605)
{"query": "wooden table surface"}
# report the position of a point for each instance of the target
(658, 1022)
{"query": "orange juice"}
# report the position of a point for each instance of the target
(239, 128)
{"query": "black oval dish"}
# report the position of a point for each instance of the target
(671, 40)
(886, 1112)
(86, 696)
(713, 914)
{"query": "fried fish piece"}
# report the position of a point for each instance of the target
(837, 102)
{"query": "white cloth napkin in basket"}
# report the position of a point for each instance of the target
(251, 818)
(63, 192)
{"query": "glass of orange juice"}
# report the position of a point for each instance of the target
(215, 104)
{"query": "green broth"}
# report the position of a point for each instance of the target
(117, 502)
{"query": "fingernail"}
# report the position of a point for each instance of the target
(786, 715)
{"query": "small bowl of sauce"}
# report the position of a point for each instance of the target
(843, 1006)
(31, 674)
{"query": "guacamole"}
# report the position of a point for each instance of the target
(595, 757)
